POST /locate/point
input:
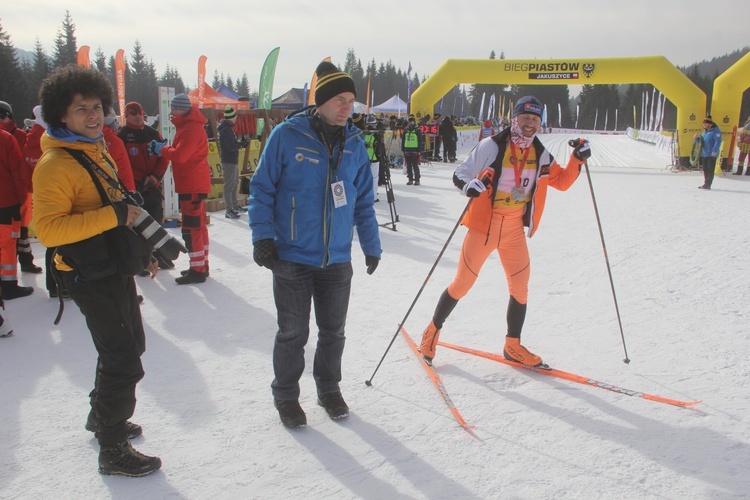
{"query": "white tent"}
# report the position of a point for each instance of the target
(392, 105)
(359, 107)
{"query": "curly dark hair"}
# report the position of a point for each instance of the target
(61, 86)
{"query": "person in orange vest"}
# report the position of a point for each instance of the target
(507, 175)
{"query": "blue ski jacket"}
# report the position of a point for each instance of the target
(292, 194)
(711, 142)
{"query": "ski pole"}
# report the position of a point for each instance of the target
(486, 180)
(440, 255)
(573, 143)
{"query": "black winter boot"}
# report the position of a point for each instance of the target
(191, 277)
(124, 460)
(11, 290)
(291, 413)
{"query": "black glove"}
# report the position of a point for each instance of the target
(265, 253)
(581, 149)
(372, 263)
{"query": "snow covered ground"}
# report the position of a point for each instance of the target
(681, 269)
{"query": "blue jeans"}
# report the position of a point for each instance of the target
(295, 287)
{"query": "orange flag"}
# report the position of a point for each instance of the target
(201, 79)
(83, 56)
(120, 79)
(311, 95)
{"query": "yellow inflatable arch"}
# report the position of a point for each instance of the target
(656, 70)
(726, 100)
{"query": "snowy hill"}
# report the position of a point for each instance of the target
(680, 267)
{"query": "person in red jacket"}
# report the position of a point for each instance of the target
(192, 180)
(519, 170)
(116, 149)
(32, 151)
(23, 245)
(13, 194)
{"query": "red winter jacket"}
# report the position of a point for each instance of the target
(32, 151)
(16, 132)
(116, 149)
(189, 154)
(143, 164)
(12, 186)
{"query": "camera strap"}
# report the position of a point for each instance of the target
(91, 166)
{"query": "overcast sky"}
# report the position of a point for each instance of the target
(237, 35)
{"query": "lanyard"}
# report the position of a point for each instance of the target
(322, 136)
(518, 169)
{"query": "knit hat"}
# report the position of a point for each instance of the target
(358, 121)
(528, 104)
(5, 107)
(180, 102)
(229, 112)
(708, 119)
(331, 82)
(133, 107)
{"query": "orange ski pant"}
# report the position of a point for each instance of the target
(507, 237)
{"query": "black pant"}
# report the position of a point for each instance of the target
(709, 166)
(152, 203)
(113, 316)
(412, 166)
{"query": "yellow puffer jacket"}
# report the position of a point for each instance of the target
(67, 205)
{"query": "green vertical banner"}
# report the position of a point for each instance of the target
(265, 89)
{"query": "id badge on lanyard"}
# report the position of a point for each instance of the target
(339, 194)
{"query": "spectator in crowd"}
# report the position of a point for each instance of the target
(116, 149)
(69, 213)
(412, 144)
(148, 170)
(192, 180)
(32, 151)
(450, 139)
(229, 150)
(302, 230)
(13, 194)
(711, 143)
(486, 131)
(743, 142)
(507, 175)
(23, 245)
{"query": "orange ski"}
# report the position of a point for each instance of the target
(435, 377)
(545, 370)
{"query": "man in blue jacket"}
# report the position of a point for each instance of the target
(711, 138)
(312, 186)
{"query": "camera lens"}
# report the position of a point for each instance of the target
(157, 237)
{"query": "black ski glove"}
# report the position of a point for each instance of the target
(265, 253)
(372, 263)
(581, 149)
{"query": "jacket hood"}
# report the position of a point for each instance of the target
(194, 116)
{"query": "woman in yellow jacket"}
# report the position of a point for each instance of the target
(518, 169)
(69, 210)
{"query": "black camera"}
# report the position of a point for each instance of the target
(163, 245)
